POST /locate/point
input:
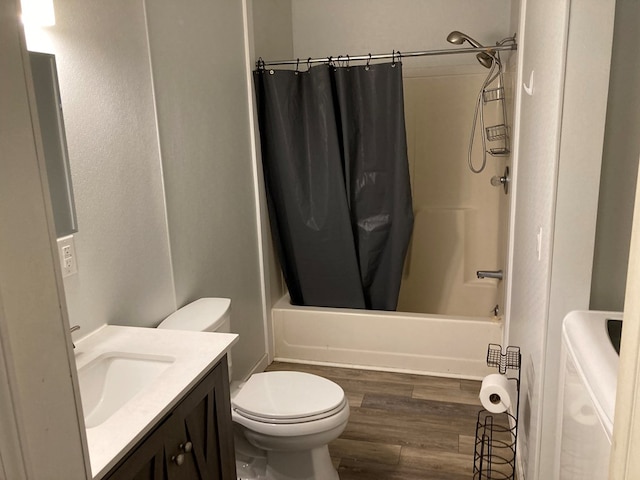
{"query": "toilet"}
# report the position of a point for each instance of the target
(283, 420)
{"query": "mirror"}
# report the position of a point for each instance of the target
(45, 83)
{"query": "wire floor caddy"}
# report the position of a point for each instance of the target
(496, 433)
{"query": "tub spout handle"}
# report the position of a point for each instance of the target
(489, 274)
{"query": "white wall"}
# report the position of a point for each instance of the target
(541, 47)
(336, 27)
(271, 29)
(270, 35)
(122, 245)
(558, 170)
(198, 60)
(121, 118)
(123, 249)
(581, 144)
(38, 398)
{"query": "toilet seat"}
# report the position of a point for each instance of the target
(288, 397)
(286, 421)
(291, 432)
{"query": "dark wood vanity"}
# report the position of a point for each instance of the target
(194, 441)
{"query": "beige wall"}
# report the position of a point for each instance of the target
(456, 211)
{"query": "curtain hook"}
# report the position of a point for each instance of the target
(308, 63)
(393, 56)
(297, 66)
(260, 63)
(366, 67)
(338, 61)
(348, 61)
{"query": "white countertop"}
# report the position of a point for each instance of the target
(194, 352)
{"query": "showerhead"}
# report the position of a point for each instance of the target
(485, 59)
(458, 38)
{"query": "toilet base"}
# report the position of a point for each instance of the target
(314, 464)
(253, 463)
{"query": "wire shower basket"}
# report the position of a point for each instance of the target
(496, 132)
(493, 94)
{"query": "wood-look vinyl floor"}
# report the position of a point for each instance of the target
(402, 426)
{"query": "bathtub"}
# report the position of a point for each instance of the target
(392, 341)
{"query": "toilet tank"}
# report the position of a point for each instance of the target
(203, 315)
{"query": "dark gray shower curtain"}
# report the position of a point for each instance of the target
(336, 175)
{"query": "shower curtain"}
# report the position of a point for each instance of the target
(337, 182)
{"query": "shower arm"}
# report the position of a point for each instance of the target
(394, 56)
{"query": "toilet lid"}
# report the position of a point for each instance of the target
(288, 396)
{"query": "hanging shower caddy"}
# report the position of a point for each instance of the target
(499, 133)
(496, 433)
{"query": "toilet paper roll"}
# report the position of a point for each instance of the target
(497, 393)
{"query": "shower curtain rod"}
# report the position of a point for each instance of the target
(260, 63)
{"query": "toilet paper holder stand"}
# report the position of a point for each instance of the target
(497, 433)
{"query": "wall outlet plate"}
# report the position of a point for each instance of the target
(67, 254)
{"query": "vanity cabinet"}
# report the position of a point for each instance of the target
(194, 441)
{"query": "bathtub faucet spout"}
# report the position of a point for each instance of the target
(489, 274)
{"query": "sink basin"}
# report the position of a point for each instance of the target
(130, 378)
(109, 381)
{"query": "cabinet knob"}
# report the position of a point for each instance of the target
(178, 459)
(187, 447)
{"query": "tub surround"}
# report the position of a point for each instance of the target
(195, 353)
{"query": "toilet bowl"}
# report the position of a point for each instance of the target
(287, 418)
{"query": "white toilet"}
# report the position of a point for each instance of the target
(288, 418)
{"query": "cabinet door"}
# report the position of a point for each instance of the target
(205, 426)
(194, 442)
(146, 462)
